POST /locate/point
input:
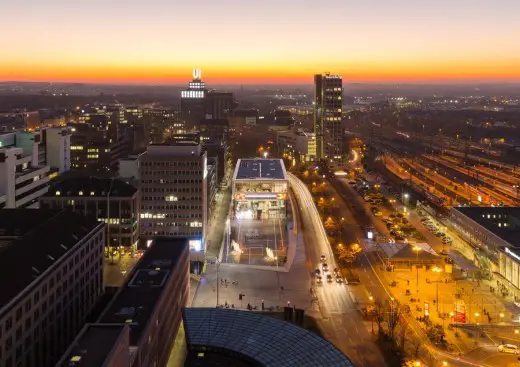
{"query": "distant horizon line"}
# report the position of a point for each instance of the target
(183, 85)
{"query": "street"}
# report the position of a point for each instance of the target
(340, 320)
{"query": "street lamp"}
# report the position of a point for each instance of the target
(417, 249)
(265, 155)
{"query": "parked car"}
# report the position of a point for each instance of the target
(317, 272)
(339, 279)
(319, 279)
(378, 213)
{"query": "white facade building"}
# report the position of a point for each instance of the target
(28, 160)
(303, 143)
(172, 179)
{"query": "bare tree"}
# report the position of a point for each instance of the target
(379, 314)
(416, 344)
(393, 316)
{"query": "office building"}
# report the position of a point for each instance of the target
(328, 95)
(219, 105)
(199, 103)
(99, 345)
(193, 100)
(150, 303)
(300, 143)
(217, 149)
(112, 201)
(495, 232)
(95, 147)
(174, 191)
(28, 161)
(259, 189)
(52, 276)
(214, 129)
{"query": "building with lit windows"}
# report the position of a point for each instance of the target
(299, 142)
(28, 161)
(94, 148)
(111, 201)
(141, 323)
(328, 95)
(172, 179)
(193, 100)
(52, 278)
(199, 103)
(494, 233)
(260, 189)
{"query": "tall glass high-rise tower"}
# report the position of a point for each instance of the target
(328, 95)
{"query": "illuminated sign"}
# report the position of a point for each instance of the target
(340, 173)
(205, 167)
(197, 73)
(426, 309)
(460, 311)
(192, 94)
(370, 235)
(195, 245)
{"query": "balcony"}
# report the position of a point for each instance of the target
(41, 182)
(34, 195)
(29, 173)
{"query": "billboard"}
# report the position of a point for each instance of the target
(460, 311)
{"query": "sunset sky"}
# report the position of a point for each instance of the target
(253, 41)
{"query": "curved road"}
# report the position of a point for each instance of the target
(341, 321)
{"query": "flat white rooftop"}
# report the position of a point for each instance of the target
(260, 169)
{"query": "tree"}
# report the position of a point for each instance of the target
(379, 314)
(395, 311)
(436, 333)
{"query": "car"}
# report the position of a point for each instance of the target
(378, 213)
(339, 279)
(323, 258)
(319, 279)
(335, 271)
(446, 240)
(324, 267)
(399, 238)
(517, 304)
(508, 348)
(439, 234)
(329, 278)
(317, 272)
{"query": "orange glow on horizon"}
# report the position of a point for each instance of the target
(460, 70)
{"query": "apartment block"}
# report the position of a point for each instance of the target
(112, 201)
(173, 183)
(28, 161)
(52, 277)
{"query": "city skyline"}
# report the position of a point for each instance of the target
(260, 42)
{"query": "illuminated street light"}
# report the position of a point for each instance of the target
(517, 331)
(501, 315)
(417, 363)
